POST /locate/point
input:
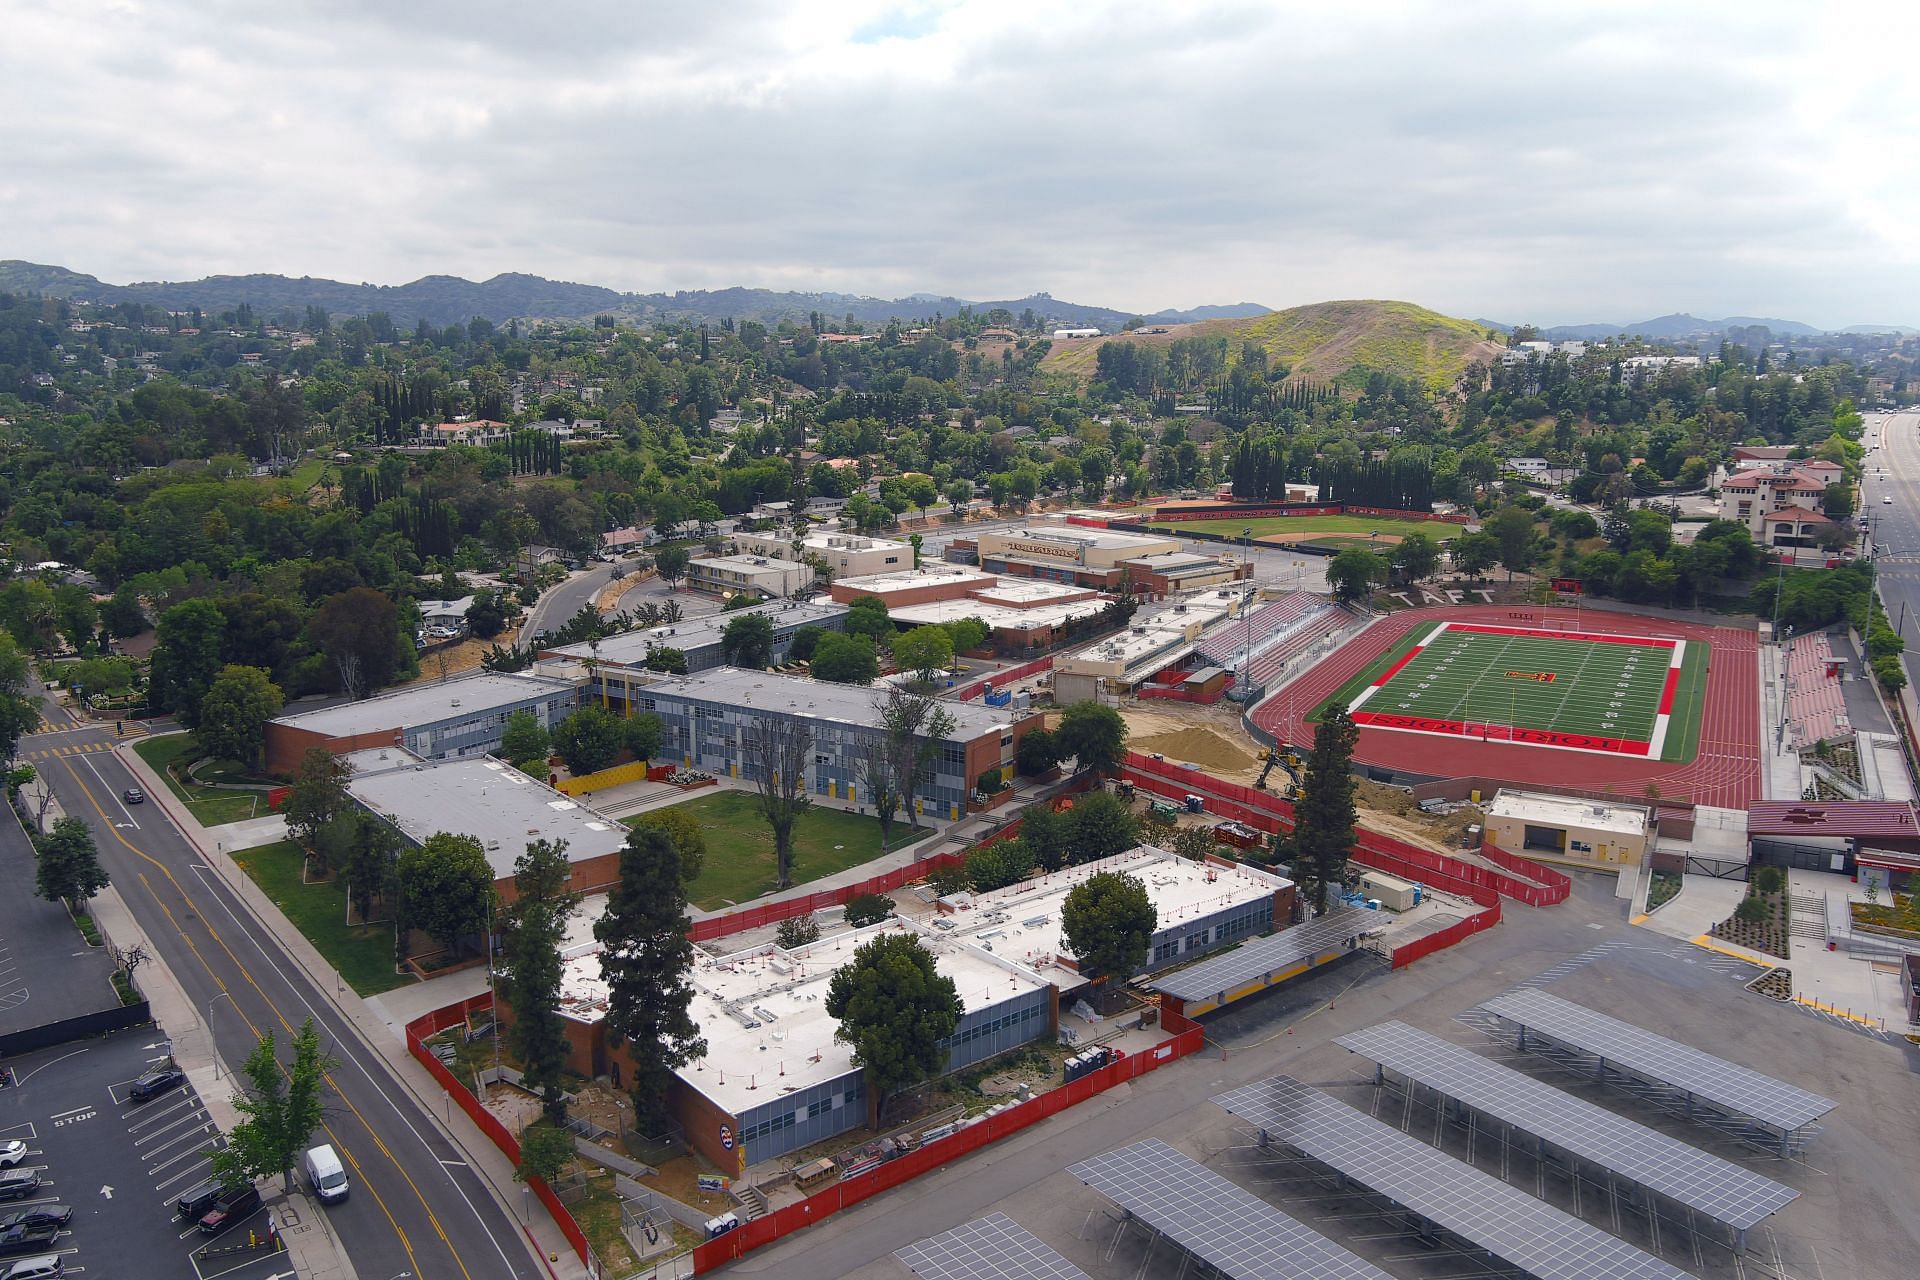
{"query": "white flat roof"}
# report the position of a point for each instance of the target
(1026, 591)
(1004, 947)
(758, 564)
(763, 1012)
(479, 797)
(630, 647)
(994, 615)
(426, 703)
(1565, 811)
(934, 571)
(1079, 534)
(817, 699)
(830, 540)
(1022, 921)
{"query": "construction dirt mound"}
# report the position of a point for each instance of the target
(1211, 751)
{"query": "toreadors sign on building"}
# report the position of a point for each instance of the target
(726, 1136)
(1053, 549)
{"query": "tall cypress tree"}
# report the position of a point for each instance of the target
(1324, 815)
(536, 931)
(645, 960)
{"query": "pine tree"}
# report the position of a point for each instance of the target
(645, 958)
(1325, 814)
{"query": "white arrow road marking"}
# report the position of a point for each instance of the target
(106, 1191)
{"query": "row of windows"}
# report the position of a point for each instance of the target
(992, 1025)
(773, 1124)
(787, 1119)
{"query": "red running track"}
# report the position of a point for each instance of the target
(1725, 772)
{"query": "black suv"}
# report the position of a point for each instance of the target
(233, 1206)
(155, 1083)
(15, 1183)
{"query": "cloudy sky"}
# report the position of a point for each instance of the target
(1556, 163)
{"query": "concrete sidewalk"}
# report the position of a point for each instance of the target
(386, 1041)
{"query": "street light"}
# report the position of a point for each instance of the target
(224, 995)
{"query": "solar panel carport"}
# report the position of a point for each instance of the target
(1224, 1225)
(1782, 1110)
(991, 1248)
(1478, 1208)
(1686, 1176)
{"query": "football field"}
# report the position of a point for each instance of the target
(1564, 690)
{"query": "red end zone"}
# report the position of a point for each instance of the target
(1501, 732)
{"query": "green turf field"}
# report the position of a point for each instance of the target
(1597, 688)
(1438, 530)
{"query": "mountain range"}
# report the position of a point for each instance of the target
(1680, 326)
(443, 300)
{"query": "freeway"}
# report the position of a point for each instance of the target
(416, 1206)
(1894, 527)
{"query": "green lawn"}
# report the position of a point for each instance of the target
(1595, 689)
(1438, 530)
(739, 864)
(210, 807)
(362, 953)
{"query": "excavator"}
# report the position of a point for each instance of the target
(1288, 759)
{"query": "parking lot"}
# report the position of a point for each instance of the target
(47, 971)
(120, 1165)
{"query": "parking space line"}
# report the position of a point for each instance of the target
(179, 1100)
(195, 1116)
(173, 1160)
(182, 1177)
(196, 1136)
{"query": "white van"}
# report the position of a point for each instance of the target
(325, 1175)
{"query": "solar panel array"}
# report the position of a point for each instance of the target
(1262, 956)
(1725, 1084)
(1229, 1228)
(1480, 1209)
(1686, 1175)
(991, 1248)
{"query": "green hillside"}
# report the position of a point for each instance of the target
(1324, 340)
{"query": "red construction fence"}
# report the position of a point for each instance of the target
(453, 1015)
(1425, 946)
(851, 1191)
(1270, 813)
(1558, 884)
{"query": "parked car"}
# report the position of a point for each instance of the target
(12, 1152)
(15, 1183)
(155, 1083)
(233, 1206)
(194, 1204)
(46, 1266)
(39, 1215)
(27, 1239)
(134, 795)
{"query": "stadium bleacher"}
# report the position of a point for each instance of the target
(1816, 706)
(1269, 636)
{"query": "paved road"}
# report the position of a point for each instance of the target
(416, 1206)
(1894, 528)
(552, 609)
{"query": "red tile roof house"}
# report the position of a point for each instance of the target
(1792, 527)
(1750, 496)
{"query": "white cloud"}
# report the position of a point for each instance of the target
(1484, 159)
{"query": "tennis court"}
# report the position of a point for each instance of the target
(1565, 690)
